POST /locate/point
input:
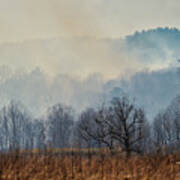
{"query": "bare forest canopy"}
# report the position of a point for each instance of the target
(42, 109)
(120, 126)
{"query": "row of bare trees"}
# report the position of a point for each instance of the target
(119, 125)
(166, 127)
(18, 129)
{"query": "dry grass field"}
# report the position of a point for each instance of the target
(83, 166)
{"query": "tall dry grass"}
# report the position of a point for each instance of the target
(79, 165)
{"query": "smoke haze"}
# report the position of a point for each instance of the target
(78, 52)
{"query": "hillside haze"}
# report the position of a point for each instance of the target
(156, 46)
(143, 65)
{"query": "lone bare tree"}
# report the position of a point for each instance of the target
(121, 124)
(128, 125)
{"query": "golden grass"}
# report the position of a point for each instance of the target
(101, 166)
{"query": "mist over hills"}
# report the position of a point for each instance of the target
(161, 45)
(152, 90)
(151, 57)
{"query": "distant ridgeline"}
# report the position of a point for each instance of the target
(155, 89)
(160, 43)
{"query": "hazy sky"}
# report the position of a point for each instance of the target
(30, 19)
(24, 23)
(71, 37)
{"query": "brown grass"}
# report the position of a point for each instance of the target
(84, 166)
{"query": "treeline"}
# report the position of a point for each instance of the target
(120, 125)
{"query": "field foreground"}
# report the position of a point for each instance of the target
(88, 166)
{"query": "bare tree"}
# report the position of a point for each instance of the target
(121, 124)
(84, 128)
(173, 114)
(92, 129)
(166, 126)
(38, 134)
(15, 124)
(60, 123)
(128, 125)
(158, 131)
